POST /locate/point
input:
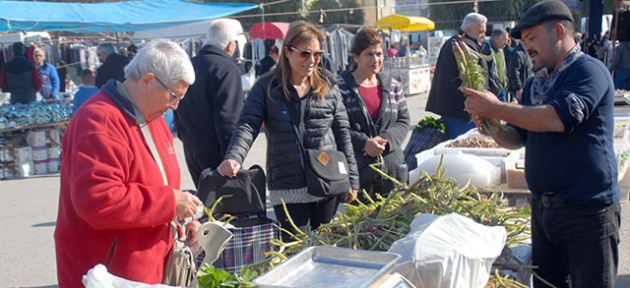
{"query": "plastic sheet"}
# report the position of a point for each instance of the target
(99, 277)
(450, 251)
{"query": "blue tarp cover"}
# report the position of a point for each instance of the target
(110, 16)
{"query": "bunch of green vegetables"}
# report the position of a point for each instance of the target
(472, 74)
(430, 122)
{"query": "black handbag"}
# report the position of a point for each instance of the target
(326, 170)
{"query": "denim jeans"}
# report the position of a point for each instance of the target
(576, 243)
(455, 127)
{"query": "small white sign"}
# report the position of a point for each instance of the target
(342, 168)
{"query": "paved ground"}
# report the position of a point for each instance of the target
(28, 210)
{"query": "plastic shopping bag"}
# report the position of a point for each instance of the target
(99, 277)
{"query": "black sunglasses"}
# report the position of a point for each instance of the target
(305, 54)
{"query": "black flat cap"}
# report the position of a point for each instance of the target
(540, 13)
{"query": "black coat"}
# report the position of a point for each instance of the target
(326, 127)
(445, 99)
(519, 69)
(113, 68)
(392, 123)
(206, 118)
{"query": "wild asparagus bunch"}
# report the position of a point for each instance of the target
(471, 74)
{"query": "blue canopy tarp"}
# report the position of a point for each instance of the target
(125, 16)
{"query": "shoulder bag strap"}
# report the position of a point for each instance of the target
(295, 121)
(146, 132)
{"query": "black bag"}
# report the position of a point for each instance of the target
(244, 194)
(326, 173)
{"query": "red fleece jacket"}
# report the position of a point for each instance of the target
(111, 187)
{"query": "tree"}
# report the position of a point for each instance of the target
(354, 16)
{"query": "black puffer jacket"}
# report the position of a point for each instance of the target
(326, 125)
(392, 123)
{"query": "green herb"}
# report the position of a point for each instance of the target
(210, 277)
(430, 122)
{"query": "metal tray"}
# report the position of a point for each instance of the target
(329, 267)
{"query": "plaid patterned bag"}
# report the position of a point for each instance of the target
(250, 241)
(422, 139)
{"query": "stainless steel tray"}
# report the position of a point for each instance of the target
(329, 267)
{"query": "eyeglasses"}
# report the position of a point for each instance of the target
(305, 54)
(175, 97)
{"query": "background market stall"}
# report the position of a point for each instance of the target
(412, 71)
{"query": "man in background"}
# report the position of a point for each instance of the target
(519, 71)
(206, 118)
(445, 99)
(497, 74)
(86, 89)
(113, 65)
(19, 77)
(48, 73)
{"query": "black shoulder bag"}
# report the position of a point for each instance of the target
(326, 170)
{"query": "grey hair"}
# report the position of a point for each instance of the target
(39, 49)
(498, 32)
(109, 48)
(164, 58)
(473, 19)
(221, 32)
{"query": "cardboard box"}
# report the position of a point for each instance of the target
(40, 153)
(36, 138)
(23, 154)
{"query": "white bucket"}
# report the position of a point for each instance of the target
(40, 153)
(53, 165)
(53, 152)
(41, 167)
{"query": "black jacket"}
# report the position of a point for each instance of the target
(519, 69)
(326, 127)
(392, 123)
(208, 114)
(113, 68)
(445, 99)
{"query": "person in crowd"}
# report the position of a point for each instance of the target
(269, 61)
(378, 114)
(113, 196)
(48, 73)
(62, 71)
(86, 90)
(392, 51)
(403, 48)
(519, 71)
(113, 65)
(578, 38)
(20, 77)
(620, 65)
(605, 50)
(312, 91)
(445, 98)
(497, 72)
(207, 117)
(567, 109)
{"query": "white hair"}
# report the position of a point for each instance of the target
(164, 58)
(473, 19)
(221, 32)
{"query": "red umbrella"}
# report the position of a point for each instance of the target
(269, 30)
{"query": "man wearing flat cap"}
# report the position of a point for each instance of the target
(565, 121)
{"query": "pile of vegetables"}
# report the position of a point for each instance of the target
(375, 225)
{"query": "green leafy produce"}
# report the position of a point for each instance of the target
(210, 277)
(430, 122)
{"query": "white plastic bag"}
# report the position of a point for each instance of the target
(248, 79)
(450, 251)
(99, 277)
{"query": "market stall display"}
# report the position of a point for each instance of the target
(411, 71)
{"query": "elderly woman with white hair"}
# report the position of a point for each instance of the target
(115, 203)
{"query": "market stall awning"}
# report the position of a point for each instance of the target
(269, 30)
(125, 16)
(406, 23)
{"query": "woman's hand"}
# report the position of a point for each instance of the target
(186, 204)
(351, 196)
(375, 146)
(229, 168)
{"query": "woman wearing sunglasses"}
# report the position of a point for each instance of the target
(296, 81)
(378, 114)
